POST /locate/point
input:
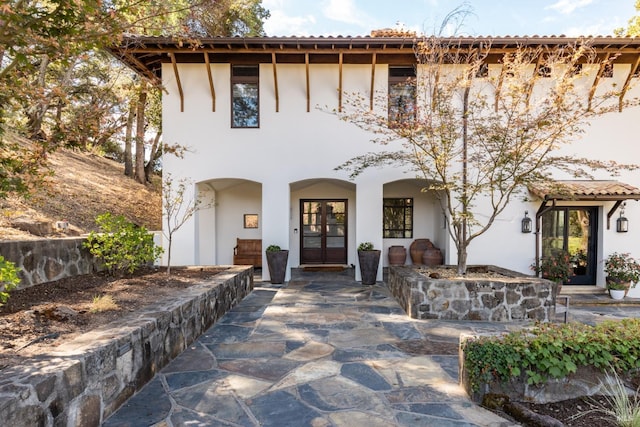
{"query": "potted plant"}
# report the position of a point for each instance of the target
(622, 271)
(579, 260)
(369, 258)
(556, 267)
(277, 263)
(617, 290)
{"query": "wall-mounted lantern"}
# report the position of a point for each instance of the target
(622, 223)
(526, 223)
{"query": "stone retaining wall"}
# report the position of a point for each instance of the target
(500, 299)
(586, 381)
(86, 380)
(46, 260)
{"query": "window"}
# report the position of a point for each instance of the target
(397, 218)
(244, 99)
(402, 94)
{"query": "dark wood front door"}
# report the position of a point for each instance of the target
(573, 229)
(324, 231)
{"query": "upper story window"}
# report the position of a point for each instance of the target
(402, 94)
(245, 106)
(397, 218)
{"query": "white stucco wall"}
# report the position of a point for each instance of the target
(293, 145)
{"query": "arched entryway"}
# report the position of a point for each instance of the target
(322, 221)
(233, 211)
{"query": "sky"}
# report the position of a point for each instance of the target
(571, 18)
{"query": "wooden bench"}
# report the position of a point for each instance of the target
(248, 252)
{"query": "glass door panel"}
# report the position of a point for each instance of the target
(573, 230)
(324, 231)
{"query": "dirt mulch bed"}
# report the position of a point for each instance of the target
(35, 320)
(584, 411)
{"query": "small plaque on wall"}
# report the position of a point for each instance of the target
(250, 220)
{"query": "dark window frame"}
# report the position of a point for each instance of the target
(404, 204)
(403, 77)
(245, 75)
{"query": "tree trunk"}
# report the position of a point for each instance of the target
(35, 113)
(128, 155)
(153, 156)
(462, 236)
(169, 257)
(140, 128)
(462, 260)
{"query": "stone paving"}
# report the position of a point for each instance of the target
(315, 353)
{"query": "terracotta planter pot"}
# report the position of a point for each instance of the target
(397, 255)
(432, 257)
(369, 261)
(277, 262)
(417, 249)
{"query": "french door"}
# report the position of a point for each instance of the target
(324, 232)
(573, 229)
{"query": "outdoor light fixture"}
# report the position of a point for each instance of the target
(526, 223)
(622, 223)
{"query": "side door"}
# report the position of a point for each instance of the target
(573, 229)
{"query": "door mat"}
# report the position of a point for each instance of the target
(325, 268)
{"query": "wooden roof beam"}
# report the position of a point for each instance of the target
(601, 69)
(499, 87)
(142, 68)
(536, 70)
(175, 71)
(373, 79)
(275, 80)
(340, 82)
(632, 72)
(306, 63)
(211, 87)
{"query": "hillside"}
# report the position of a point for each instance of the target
(82, 186)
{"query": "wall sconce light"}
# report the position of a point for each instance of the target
(526, 223)
(622, 223)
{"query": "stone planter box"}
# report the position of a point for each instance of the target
(82, 382)
(510, 297)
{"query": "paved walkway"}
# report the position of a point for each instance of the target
(315, 353)
(323, 352)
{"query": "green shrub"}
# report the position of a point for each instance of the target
(273, 248)
(8, 279)
(365, 246)
(121, 245)
(553, 351)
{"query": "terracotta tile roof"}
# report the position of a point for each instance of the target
(586, 190)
